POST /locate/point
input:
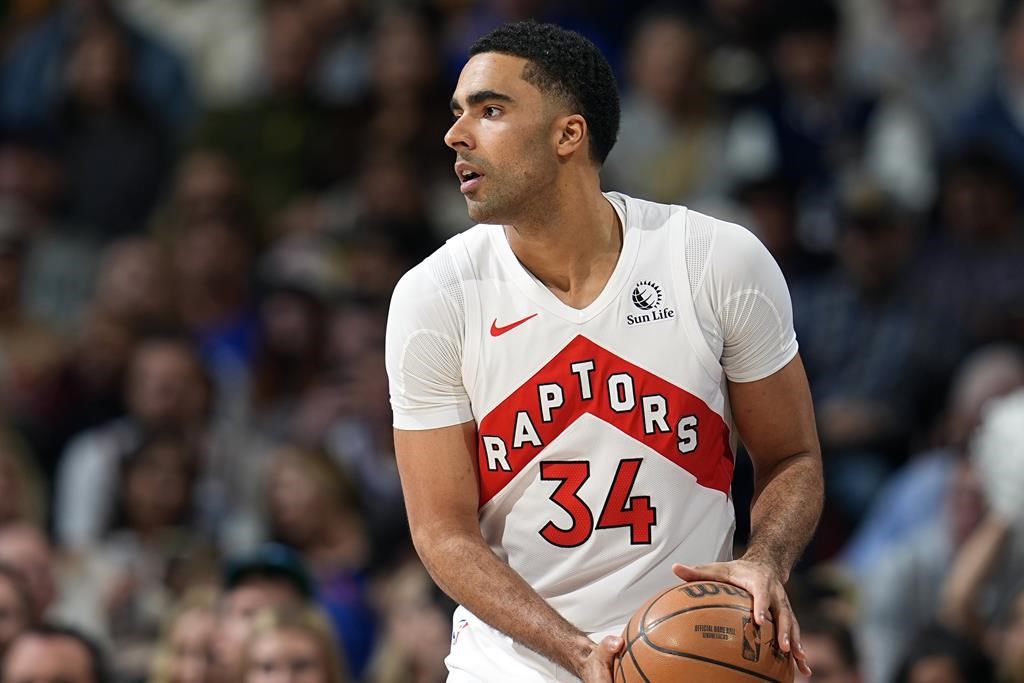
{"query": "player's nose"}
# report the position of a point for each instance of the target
(458, 136)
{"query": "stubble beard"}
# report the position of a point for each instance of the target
(511, 199)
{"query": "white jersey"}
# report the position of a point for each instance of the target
(605, 440)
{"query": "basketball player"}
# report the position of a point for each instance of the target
(569, 379)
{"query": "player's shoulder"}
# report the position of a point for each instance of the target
(444, 273)
(431, 277)
(649, 215)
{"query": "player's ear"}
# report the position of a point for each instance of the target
(571, 134)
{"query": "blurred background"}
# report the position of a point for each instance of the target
(204, 207)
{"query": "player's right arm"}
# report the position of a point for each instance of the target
(439, 480)
(435, 445)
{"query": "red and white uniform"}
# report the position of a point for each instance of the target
(605, 440)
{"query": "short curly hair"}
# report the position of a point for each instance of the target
(565, 64)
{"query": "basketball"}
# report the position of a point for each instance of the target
(701, 631)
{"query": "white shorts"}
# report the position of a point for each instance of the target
(482, 654)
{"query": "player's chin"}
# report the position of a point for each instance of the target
(479, 211)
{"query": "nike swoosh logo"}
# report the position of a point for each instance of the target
(498, 331)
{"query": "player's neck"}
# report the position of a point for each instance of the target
(573, 247)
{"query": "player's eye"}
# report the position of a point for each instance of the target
(491, 112)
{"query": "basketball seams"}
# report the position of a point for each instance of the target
(629, 650)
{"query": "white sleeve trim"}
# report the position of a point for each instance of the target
(743, 304)
(423, 350)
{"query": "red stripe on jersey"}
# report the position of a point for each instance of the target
(666, 418)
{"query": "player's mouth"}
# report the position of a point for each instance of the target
(469, 177)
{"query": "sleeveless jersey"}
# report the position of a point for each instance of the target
(605, 443)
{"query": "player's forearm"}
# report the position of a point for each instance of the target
(785, 512)
(466, 568)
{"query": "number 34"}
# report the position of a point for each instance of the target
(619, 510)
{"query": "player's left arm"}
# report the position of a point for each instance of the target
(775, 420)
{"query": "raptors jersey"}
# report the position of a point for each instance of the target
(605, 445)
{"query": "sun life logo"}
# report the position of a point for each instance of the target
(646, 295)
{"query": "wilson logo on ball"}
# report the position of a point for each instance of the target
(646, 295)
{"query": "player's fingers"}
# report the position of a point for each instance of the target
(707, 572)
(799, 654)
(612, 645)
(602, 660)
(783, 619)
(758, 588)
(609, 647)
(755, 582)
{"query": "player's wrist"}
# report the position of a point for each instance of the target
(579, 650)
(764, 558)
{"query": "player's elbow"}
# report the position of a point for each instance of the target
(436, 538)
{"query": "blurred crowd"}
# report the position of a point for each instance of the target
(204, 207)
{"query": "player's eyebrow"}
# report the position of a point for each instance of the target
(479, 97)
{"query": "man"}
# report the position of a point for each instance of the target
(565, 379)
(830, 649)
(16, 610)
(271, 577)
(26, 549)
(54, 654)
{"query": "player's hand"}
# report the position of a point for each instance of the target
(763, 583)
(597, 667)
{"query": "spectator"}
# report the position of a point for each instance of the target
(740, 40)
(277, 141)
(902, 595)
(167, 391)
(206, 187)
(938, 655)
(22, 488)
(59, 262)
(185, 652)
(1011, 655)
(30, 80)
(150, 540)
(272, 577)
(343, 72)
(16, 610)
(671, 133)
(133, 287)
(417, 628)
(295, 642)
(290, 356)
(54, 653)
(831, 652)
(61, 588)
(101, 123)
(359, 440)
(979, 245)
(314, 509)
(913, 496)
(993, 121)
(869, 348)
(919, 49)
(815, 129)
(18, 15)
(87, 391)
(211, 262)
(220, 41)
(28, 551)
(399, 117)
(29, 349)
